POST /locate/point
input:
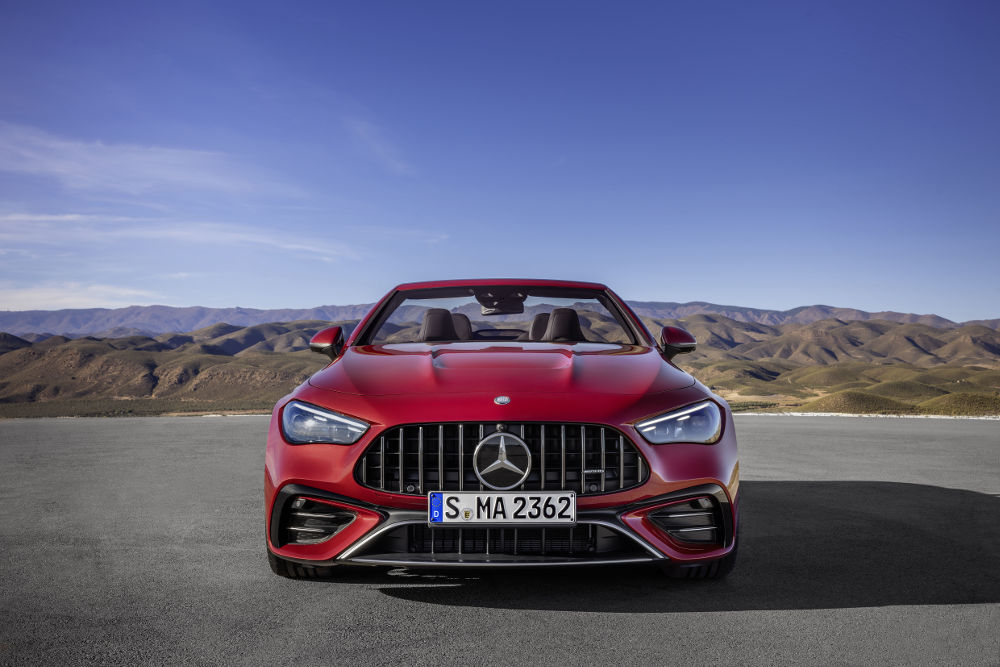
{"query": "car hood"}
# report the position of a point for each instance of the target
(503, 368)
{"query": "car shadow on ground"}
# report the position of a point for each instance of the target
(805, 545)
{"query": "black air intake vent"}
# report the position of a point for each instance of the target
(306, 521)
(418, 458)
(695, 521)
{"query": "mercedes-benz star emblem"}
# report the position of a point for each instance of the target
(501, 461)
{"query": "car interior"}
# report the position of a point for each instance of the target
(500, 313)
(562, 325)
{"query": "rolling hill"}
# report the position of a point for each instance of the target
(827, 365)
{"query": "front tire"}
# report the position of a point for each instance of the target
(293, 570)
(716, 569)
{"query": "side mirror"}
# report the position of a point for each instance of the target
(677, 341)
(329, 341)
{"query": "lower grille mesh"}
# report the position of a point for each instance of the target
(523, 541)
(580, 542)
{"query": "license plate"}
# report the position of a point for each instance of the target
(510, 508)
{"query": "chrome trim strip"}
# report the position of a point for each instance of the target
(390, 525)
(497, 563)
(379, 530)
(689, 530)
(317, 515)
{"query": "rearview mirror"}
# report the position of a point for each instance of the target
(677, 341)
(329, 341)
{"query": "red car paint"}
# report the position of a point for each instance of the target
(390, 385)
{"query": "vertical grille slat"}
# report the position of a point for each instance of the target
(541, 440)
(621, 462)
(461, 452)
(532, 456)
(482, 428)
(604, 468)
(420, 459)
(381, 463)
(416, 458)
(440, 456)
(402, 465)
(562, 478)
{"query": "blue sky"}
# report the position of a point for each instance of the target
(766, 154)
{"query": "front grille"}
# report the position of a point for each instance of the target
(580, 542)
(695, 520)
(419, 458)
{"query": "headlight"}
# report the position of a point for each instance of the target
(302, 424)
(701, 423)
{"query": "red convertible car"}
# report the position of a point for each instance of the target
(501, 423)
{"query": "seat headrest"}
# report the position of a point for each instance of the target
(437, 326)
(539, 323)
(463, 326)
(564, 326)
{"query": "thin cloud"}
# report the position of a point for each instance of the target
(64, 217)
(54, 296)
(85, 230)
(128, 168)
(373, 143)
(382, 233)
(228, 234)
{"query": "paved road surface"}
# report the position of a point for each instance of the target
(140, 540)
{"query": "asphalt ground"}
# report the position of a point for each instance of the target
(865, 541)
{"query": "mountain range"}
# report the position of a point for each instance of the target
(155, 320)
(829, 365)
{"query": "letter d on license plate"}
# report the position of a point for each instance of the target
(511, 508)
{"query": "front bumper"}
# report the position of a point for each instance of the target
(383, 536)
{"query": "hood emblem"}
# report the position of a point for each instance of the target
(502, 400)
(501, 461)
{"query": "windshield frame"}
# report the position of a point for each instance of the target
(604, 296)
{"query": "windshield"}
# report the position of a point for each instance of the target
(501, 313)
